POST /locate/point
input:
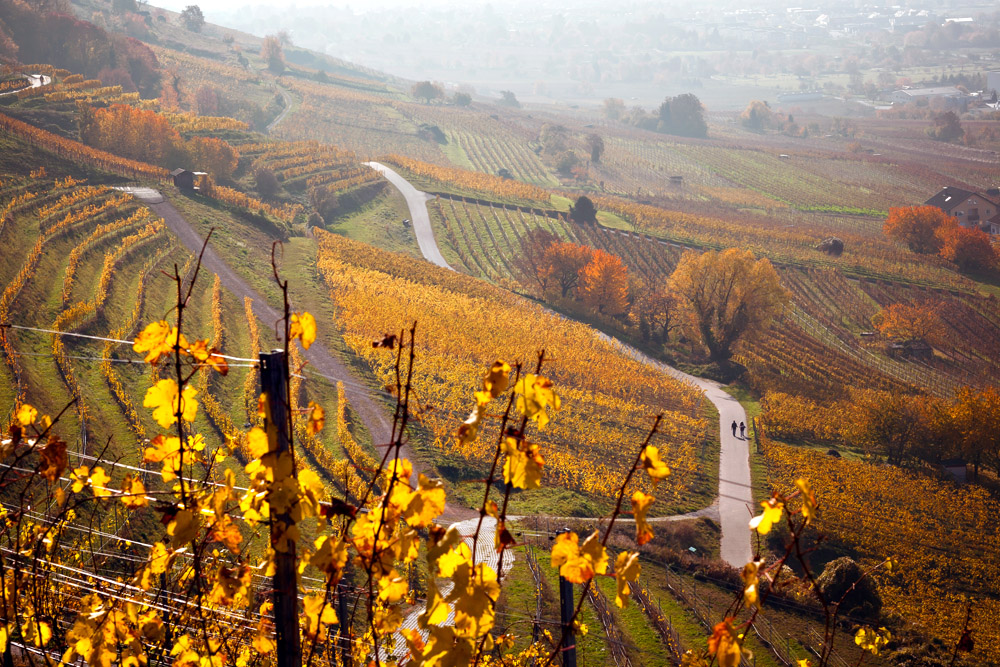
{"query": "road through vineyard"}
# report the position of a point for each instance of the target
(372, 414)
(734, 497)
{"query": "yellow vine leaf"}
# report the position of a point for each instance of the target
(495, 382)
(809, 504)
(157, 340)
(392, 587)
(437, 610)
(724, 644)
(133, 492)
(474, 597)
(626, 572)
(311, 492)
(653, 465)
(99, 483)
(578, 563)
(183, 528)
(425, 504)
(523, 466)
(168, 451)
(330, 556)
(318, 614)
(257, 442)
(534, 396)
(26, 415)
(226, 531)
(468, 430)
(208, 356)
(164, 398)
(872, 640)
(751, 582)
(317, 419)
(303, 327)
(80, 478)
(159, 559)
(773, 509)
(640, 506)
(36, 632)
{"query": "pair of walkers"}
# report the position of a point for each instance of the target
(742, 427)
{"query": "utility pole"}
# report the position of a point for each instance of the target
(274, 383)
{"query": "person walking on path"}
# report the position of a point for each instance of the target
(743, 428)
(734, 428)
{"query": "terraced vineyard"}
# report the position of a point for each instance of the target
(310, 164)
(583, 446)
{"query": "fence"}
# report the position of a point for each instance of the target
(661, 622)
(616, 641)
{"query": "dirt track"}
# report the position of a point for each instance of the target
(375, 416)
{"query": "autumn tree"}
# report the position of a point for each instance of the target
(891, 424)
(272, 53)
(596, 145)
(905, 322)
(564, 263)
(655, 309)
(137, 134)
(731, 295)
(461, 99)
(427, 91)
(193, 18)
(532, 261)
(969, 248)
(916, 226)
(946, 127)
(974, 418)
(214, 156)
(756, 117)
(604, 284)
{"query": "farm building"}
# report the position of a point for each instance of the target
(971, 209)
(188, 180)
(947, 94)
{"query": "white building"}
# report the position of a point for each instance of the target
(910, 95)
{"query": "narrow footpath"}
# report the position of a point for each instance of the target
(735, 500)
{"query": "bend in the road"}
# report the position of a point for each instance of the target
(416, 201)
(735, 496)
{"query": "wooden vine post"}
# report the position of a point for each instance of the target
(277, 423)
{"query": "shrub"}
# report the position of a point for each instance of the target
(836, 582)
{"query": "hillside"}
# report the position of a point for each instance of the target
(562, 236)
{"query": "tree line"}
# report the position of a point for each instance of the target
(718, 297)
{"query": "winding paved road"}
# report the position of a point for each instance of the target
(416, 201)
(734, 500)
